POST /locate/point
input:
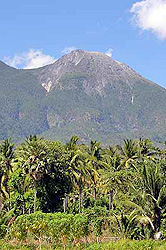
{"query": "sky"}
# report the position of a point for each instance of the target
(36, 33)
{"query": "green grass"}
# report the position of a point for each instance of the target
(121, 244)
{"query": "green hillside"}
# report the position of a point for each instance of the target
(22, 111)
(83, 93)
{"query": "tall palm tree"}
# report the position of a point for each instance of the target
(79, 173)
(128, 153)
(32, 156)
(146, 149)
(153, 179)
(77, 165)
(6, 159)
(150, 193)
(94, 163)
(71, 145)
(116, 177)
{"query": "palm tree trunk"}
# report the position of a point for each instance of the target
(35, 195)
(1, 206)
(110, 199)
(80, 199)
(95, 193)
(157, 217)
(9, 198)
(65, 201)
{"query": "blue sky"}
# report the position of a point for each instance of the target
(33, 31)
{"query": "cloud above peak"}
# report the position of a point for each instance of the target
(30, 60)
(68, 50)
(150, 15)
(109, 52)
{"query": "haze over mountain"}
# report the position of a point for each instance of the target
(83, 93)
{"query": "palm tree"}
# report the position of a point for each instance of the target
(71, 145)
(146, 149)
(150, 193)
(116, 177)
(32, 156)
(154, 183)
(128, 153)
(79, 172)
(94, 163)
(77, 165)
(6, 158)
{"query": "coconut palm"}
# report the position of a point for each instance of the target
(32, 156)
(79, 173)
(153, 179)
(77, 165)
(146, 149)
(94, 163)
(116, 177)
(71, 145)
(128, 153)
(6, 159)
(150, 194)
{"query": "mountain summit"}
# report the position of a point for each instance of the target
(84, 93)
(99, 70)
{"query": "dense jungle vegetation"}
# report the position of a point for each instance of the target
(74, 194)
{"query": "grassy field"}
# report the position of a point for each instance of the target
(121, 244)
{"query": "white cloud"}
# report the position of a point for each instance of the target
(109, 52)
(30, 60)
(67, 50)
(151, 15)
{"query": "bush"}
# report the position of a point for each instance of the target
(97, 217)
(59, 227)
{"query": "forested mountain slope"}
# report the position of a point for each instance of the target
(22, 110)
(83, 93)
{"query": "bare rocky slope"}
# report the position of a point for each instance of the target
(97, 69)
(91, 95)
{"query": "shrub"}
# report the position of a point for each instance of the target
(59, 227)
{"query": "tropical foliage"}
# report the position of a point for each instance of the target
(71, 193)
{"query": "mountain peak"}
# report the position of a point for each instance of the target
(79, 52)
(88, 94)
(98, 70)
